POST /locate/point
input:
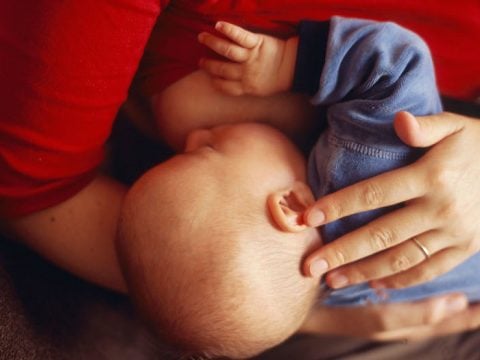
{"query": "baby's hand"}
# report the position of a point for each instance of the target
(260, 65)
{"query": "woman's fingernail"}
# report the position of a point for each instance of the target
(337, 280)
(318, 267)
(455, 304)
(315, 217)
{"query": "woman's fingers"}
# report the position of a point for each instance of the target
(222, 69)
(392, 187)
(387, 189)
(454, 321)
(237, 34)
(429, 312)
(392, 261)
(380, 234)
(440, 263)
(466, 320)
(224, 47)
(387, 321)
(424, 131)
(433, 317)
(442, 195)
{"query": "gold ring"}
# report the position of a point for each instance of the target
(422, 248)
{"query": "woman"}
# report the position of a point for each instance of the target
(65, 71)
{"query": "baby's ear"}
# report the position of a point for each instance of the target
(288, 205)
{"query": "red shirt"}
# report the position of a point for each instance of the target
(65, 68)
(451, 29)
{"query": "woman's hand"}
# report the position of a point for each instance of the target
(259, 64)
(441, 197)
(435, 316)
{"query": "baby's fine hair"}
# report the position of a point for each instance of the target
(213, 286)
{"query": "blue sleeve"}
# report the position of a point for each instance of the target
(363, 72)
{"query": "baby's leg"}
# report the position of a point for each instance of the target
(193, 103)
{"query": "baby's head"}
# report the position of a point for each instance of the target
(211, 242)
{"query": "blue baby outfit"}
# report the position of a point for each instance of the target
(363, 72)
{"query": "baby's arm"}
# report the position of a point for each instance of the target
(196, 101)
(193, 102)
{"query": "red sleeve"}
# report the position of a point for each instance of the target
(451, 29)
(65, 68)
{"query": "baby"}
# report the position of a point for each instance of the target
(212, 241)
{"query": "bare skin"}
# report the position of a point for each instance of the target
(441, 209)
(79, 234)
(85, 226)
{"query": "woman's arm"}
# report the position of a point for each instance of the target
(65, 70)
(78, 234)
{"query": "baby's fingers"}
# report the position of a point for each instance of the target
(228, 87)
(224, 47)
(222, 69)
(237, 34)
